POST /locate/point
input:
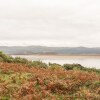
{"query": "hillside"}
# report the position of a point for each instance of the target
(48, 50)
(21, 79)
(19, 82)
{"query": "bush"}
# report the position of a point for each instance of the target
(73, 66)
(39, 64)
(9, 59)
(5, 58)
(20, 60)
(80, 67)
(55, 66)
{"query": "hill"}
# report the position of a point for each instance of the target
(48, 50)
(21, 79)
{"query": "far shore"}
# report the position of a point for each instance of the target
(60, 56)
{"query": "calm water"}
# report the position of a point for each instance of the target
(87, 61)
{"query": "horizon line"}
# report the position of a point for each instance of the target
(47, 46)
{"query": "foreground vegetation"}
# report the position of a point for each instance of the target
(21, 79)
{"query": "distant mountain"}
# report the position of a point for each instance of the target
(28, 50)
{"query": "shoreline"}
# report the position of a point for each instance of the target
(59, 56)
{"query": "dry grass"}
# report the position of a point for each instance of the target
(19, 82)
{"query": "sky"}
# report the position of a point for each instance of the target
(69, 23)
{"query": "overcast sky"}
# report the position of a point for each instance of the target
(50, 22)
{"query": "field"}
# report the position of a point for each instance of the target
(19, 82)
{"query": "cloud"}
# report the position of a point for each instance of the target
(50, 22)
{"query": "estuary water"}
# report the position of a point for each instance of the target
(87, 61)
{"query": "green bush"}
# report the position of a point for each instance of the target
(55, 66)
(20, 60)
(73, 66)
(39, 64)
(9, 59)
(5, 58)
(80, 67)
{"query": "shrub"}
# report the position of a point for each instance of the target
(39, 64)
(9, 59)
(20, 60)
(5, 58)
(73, 66)
(55, 66)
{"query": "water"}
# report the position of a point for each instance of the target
(87, 61)
(95, 63)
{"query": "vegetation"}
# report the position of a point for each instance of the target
(21, 79)
(80, 67)
(9, 59)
